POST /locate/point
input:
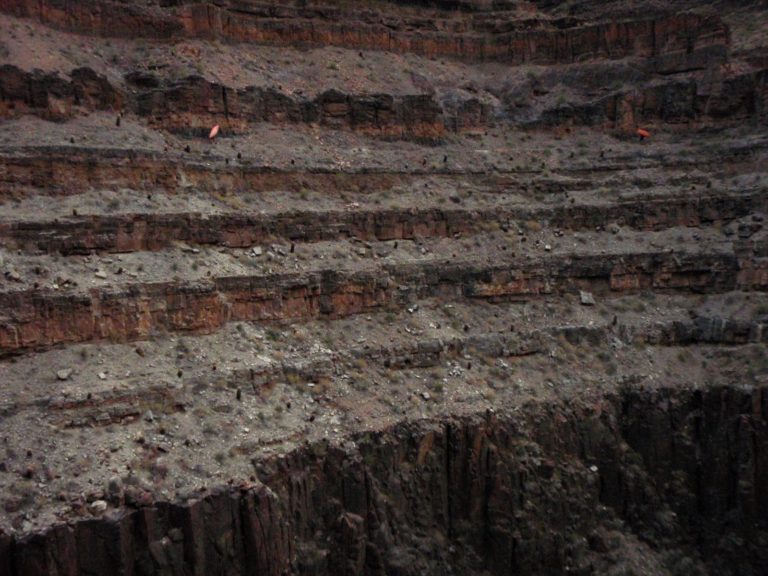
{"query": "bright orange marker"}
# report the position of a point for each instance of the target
(214, 131)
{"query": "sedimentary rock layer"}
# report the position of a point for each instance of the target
(677, 41)
(36, 319)
(152, 231)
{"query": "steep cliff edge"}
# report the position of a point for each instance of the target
(670, 479)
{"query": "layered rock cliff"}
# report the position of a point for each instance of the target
(548, 490)
(426, 303)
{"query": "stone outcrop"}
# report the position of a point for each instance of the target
(61, 172)
(677, 40)
(52, 97)
(136, 232)
(194, 104)
(36, 319)
(682, 469)
(691, 102)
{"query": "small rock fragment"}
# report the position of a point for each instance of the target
(100, 274)
(13, 275)
(64, 374)
(115, 487)
(587, 299)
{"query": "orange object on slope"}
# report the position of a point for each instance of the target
(643, 133)
(214, 131)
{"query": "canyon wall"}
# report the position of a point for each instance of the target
(674, 39)
(539, 492)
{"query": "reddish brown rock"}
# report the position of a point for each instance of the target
(191, 105)
(444, 404)
(37, 319)
(144, 232)
(675, 40)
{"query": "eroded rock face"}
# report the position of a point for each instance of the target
(542, 491)
(426, 304)
(52, 97)
(675, 39)
(680, 102)
(134, 232)
(40, 319)
(191, 105)
(687, 77)
(108, 18)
